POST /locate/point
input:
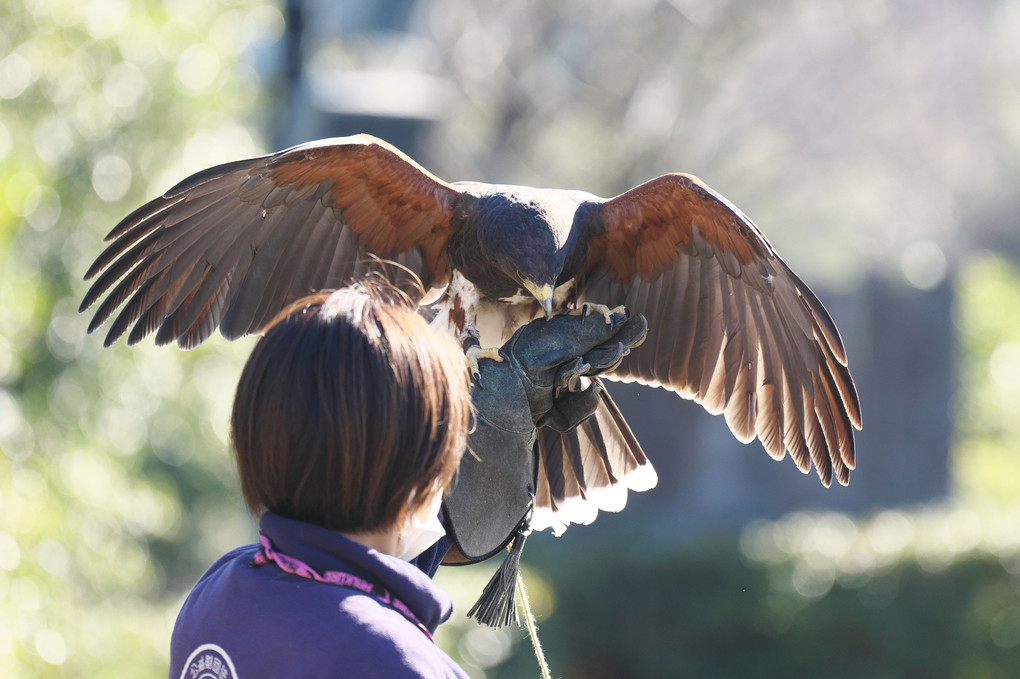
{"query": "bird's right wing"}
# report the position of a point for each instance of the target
(730, 325)
(231, 246)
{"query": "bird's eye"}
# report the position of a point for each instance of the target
(520, 276)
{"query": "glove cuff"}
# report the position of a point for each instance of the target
(494, 491)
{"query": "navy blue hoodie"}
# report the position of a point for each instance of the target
(252, 622)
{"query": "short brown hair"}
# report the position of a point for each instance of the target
(349, 405)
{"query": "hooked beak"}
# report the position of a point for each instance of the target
(543, 294)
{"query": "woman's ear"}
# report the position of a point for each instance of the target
(422, 528)
(430, 507)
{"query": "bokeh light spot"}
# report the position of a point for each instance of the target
(813, 579)
(45, 208)
(89, 477)
(5, 140)
(125, 430)
(29, 482)
(53, 557)
(50, 646)
(15, 75)
(20, 193)
(10, 554)
(484, 647)
(1004, 365)
(53, 139)
(890, 532)
(6, 359)
(104, 18)
(126, 89)
(263, 23)
(25, 593)
(111, 177)
(10, 415)
(923, 264)
(198, 67)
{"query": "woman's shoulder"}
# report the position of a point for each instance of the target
(389, 644)
(369, 638)
(237, 557)
(266, 619)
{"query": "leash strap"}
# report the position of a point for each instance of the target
(529, 621)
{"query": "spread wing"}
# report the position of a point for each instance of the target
(730, 325)
(233, 245)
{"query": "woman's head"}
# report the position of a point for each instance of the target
(349, 406)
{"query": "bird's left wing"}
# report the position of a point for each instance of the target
(730, 325)
(234, 244)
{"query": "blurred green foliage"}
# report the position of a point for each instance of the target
(924, 594)
(115, 483)
(987, 459)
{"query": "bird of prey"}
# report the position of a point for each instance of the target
(731, 326)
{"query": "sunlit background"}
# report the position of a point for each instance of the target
(876, 142)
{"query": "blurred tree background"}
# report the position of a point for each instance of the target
(115, 489)
(875, 142)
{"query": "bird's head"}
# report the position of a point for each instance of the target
(524, 236)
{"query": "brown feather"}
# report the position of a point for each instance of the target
(730, 325)
(672, 210)
(270, 229)
(393, 203)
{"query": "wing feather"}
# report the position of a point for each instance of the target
(181, 245)
(686, 329)
(731, 326)
(126, 286)
(588, 469)
(232, 245)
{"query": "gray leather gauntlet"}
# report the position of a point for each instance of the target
(496, 480)
(541, 382)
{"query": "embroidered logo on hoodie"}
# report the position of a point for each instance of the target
(209, 661)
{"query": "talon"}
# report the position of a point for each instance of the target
(583, 310)
(475, 352)
(606, 312)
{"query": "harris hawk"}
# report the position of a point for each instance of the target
(730, 325)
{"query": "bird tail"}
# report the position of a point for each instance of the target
(588, 468)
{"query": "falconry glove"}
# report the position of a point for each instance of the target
(553, 357)
(541, 381)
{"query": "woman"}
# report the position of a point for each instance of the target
(350, 419)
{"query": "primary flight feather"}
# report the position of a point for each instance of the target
(730, 325)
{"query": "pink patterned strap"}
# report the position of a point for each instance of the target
(289, 564)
